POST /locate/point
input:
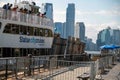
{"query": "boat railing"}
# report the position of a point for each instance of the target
(24, 17)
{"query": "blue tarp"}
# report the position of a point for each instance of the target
(109, 47)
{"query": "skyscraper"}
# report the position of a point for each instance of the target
(47, 8)
(116, 37)
(70, 19)
(59, 28)
(108, 36)
(76, 32)
(64, 30)
(105, 36)
(81, 30)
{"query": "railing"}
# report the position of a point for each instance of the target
(24, 17)
(102, 64)
(51, 68)
(48, 67)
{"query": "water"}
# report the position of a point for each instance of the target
(93, 52)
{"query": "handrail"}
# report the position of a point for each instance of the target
(24, 17)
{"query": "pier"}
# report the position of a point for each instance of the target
(56, 67)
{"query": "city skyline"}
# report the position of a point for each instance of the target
(96, 14)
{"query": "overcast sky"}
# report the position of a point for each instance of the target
(96, 14)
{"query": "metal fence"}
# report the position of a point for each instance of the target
(46, 66)
(102, 64)
(51, 68)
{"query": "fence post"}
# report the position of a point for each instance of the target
(16, 68)
(92, 71)
(29, 65)
(39, 64)
(108, 61)
(24, 67)
(97, 63)
(6, 71)
(33, 64)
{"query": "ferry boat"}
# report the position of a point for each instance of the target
(24, 33)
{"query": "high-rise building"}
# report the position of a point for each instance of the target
(70, 19)
(98, 41)
(76, 32)
(90, 46)
(47, 8)
(81, 30)
(108, 36)
(116, 37)
(64, 30)
(58, 28)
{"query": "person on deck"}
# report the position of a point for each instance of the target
(9, 11)
(5, 7)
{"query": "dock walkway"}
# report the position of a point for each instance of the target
(114, 73)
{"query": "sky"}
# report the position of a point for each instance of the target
(96, 14)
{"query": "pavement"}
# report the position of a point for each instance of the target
(113, 74)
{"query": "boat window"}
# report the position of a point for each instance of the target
(15, 29)
(50, 33)
(0, 52)
(46, 33)
(27, 30)
(36, 31)
(0, 25)
(23, 30)
(30, 31)
(7, 28)
(41, 32)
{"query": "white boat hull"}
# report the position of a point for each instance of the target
(24, 41)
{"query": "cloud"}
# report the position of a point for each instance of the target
(113, 25)
(108, 12)
(115, 12)
(78, 12)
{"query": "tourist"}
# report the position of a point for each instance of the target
(27, 33)
(25, 11)
(43, 15)
(5, 7)
(9, 7)
(15, 8)
(21, 14)
(9, 11)
(38, 17)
